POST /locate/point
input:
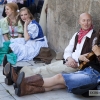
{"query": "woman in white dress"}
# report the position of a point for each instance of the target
(28, 47)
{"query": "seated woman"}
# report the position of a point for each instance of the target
(37, 84)
(11, 28)
(10, 25)
(28, 47)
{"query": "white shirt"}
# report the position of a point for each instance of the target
(16, 1)
(69, 49)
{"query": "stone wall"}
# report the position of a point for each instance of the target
(62, 20)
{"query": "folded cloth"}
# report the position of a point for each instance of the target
(11, 57)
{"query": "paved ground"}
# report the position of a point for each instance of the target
(8, 93)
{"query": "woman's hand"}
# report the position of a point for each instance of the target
(27, 22)
(26, 35)
(83, 57)
(96, 50)
(71, 62)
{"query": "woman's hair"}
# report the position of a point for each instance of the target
(25, 9)
(13, 7)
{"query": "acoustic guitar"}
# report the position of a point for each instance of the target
(84, 64)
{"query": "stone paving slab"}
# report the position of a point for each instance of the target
(1, 68)
(3, 94)
(28, 97)
(1, 87)
(61, 94)
(52, 95)
(1, 76)
(8, 98)
(9, 88)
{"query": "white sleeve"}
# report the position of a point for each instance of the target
(33, 30)
(69, 49)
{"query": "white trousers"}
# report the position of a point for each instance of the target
(48, 70)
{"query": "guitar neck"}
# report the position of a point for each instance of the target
(83, 64)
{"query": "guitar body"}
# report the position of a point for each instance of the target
(84, 64)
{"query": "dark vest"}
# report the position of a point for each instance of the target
(87, 47)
